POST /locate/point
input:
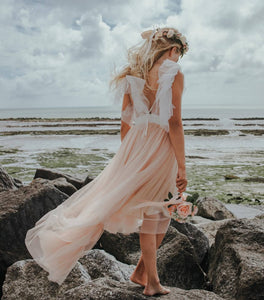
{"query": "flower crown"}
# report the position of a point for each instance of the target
(172, 34)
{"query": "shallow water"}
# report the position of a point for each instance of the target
(242, 211)
(208, 158)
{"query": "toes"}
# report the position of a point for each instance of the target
(164, 291)
(161, 291)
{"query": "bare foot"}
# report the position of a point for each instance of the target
(153, 290)
(139, 279)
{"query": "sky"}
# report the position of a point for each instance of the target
(61, 53)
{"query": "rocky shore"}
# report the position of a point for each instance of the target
(214, 256)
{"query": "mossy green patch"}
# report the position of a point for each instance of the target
(210, 181)
(7, 161)
(4, 150)
(66, 157)
(26, 175)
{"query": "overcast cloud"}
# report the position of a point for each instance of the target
(62, 52)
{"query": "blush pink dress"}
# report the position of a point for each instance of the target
(127, 196)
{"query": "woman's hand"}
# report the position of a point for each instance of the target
(181, 180)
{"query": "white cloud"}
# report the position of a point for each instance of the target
(61, 53)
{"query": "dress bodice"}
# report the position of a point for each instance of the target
(139, 111)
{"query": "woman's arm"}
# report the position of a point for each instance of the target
(176, 131)
(126, 115)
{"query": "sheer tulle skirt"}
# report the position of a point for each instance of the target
(127, 196)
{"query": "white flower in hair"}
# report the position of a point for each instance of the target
(158, 34)
(183, 39)
(170, 33)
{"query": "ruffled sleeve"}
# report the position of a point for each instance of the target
(167, 72)
(127, 115)
(123, 87)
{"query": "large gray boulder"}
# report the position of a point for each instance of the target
(210, 229)
(211, 208)
(19, 210)
(236, 260)
(101, 264)
(196, 237)
(52, 174)
(125, 248)
(27, 280)
(60, 183)
(178, 264)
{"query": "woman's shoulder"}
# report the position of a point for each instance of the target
(179, 75)
(178, 82)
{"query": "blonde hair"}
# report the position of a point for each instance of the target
(140, 61)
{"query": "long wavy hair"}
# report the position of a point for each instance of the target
(139, 64)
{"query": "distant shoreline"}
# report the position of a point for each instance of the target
(29, 119)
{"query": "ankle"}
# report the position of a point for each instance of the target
(153, 281)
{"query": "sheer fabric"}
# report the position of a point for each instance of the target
(127, 196)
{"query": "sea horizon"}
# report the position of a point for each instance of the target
(113, 111)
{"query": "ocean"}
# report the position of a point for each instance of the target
(114, 112)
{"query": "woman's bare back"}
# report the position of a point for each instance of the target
(152, 81)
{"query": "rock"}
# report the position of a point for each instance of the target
(253, 131)
(260, 216)
(125, 248)
(51, 174)
(210, 228)
(7, 182)
(206, 132)
(100, 264)
(60, 183)
(231, 176)
(18, 183)
(211, 208)
(87, 180)
(236, 260)
(199, 220)
(19, 210)
(196, 237)
(109, 289)
(254, 179)
(26, 280)
(178, 265)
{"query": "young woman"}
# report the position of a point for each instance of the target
(156, 63)
(128, 195)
